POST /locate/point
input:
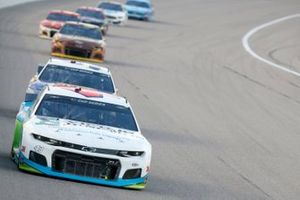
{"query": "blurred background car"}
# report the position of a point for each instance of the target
(139, 9)
(95, 16)
(80, 41)
(54, 21)
(115, 12)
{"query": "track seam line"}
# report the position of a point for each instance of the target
(245, 178)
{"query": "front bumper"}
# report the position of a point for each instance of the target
(46, 32)
(81, 165)
(30, 166)
(59, 50)
(132, 14)
(116, 20)
(104, 29)
(137, 15)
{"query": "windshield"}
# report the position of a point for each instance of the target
(83, 110)
(90, 13)
(110, 6)
(62, 17)
(82, 31)
(138, 4)
(81, 77)
(30, 97)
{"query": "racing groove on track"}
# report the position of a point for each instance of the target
(217, 132)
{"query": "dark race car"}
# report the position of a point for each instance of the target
(95, 16)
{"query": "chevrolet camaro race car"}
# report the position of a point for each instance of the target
(95, 16)
(114, 12)
(54, 21)
(70, 72)
(76, 40)
(139, 9)
(81, 134)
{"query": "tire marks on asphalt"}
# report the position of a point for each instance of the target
(245, 178)
(261, 84)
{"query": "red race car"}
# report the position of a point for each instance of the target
(54, 21)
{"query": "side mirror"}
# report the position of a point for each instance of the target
(40, 68)
(117, 91)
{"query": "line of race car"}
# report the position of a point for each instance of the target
(72, 123)
(76, 35)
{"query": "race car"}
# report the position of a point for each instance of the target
(114, 12)
(95, 16)
(54, 21)
(76, 40)
(81, 134)
(139, 9)
(70, 72)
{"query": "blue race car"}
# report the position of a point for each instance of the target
(139, 9)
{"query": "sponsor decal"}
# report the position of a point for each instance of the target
(89, 149)
(135, 164)
(38, 148)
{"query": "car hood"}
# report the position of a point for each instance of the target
(137, 9)
(91, 20)
(90, 135)
(114, 13)
(79, 42)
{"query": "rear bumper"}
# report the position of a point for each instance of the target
(30, 166)
(61, 55)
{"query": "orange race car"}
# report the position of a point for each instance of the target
(80, 41)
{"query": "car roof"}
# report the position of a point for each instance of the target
(146, 1)
(112, 2)
(83, 24)
(67, 90)
(66, 12)
(79, 65)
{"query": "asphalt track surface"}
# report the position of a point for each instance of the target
(223, 125)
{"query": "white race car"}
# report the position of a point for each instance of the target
(114, 12)
(81, 134)
(71, 72)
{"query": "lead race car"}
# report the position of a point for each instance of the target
(139, 9)
(81, 134)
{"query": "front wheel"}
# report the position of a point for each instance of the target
(13, 156)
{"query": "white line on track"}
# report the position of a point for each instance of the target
(247, 47)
